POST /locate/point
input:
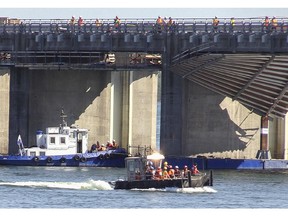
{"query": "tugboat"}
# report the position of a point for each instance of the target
(137, 177)
(64, 146)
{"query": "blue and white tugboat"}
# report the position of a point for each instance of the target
(141, 174)
(65, 146)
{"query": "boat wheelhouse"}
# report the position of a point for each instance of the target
(136, 171)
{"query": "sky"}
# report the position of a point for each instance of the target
(89, 9)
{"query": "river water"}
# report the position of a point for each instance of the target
(88, 187)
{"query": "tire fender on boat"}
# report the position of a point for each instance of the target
(36, 159)
(49, 159)
(83, 159)
(62, 160)
(107, 156)
(101, 156)
(76, 158)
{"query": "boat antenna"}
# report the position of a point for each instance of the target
(63, 116)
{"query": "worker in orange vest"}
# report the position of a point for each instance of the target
(274, 23)
(159, 24)
(195, 169)
(215, 23)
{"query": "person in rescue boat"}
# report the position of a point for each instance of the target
(93, 148)
(158, 174)
(114, 144)
(165, 174)
(194, 169)
(103, 148)
(149, 172)
(165, 164)
(171, 172)
(177, 172)
(185, 171)
(109, 145)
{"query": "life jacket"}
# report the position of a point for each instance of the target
(195, 170)
(165, 174)
(158, 174)
(160, 21)
(215, 22)
(170, 22)
(72, 21)
(116, 22)
(171, 173)
(274, 22)
(80, 22)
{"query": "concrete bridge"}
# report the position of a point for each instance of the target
(109, 79)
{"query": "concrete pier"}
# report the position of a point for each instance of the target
(217, 126)
(4, 109)
(102, 101)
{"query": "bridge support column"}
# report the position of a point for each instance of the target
(285, 152)
(4, 107)
(142, 111)
(171, 103)
(264, 152)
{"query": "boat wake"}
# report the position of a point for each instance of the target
(205, 189)
(89, 185)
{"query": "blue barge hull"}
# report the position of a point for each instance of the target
(109, 159)
(227, 163)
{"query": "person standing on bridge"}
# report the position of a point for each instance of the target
(159, 24)
(72, 20)
(273, 23)
(215, 23)
(232, 24)
(98, 23)
(117, 23)
(171, 25)
(80, 23)
(72, 23)
(266, 24)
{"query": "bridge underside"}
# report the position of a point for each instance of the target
(258, 81)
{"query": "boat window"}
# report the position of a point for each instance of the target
(71, 135)
(62, 140)
(32, 153)
(80, 136)
(130, 166)
(52, 140)
(42, 153)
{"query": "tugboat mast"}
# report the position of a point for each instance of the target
(63, 116)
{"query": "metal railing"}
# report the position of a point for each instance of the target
(127, 25)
